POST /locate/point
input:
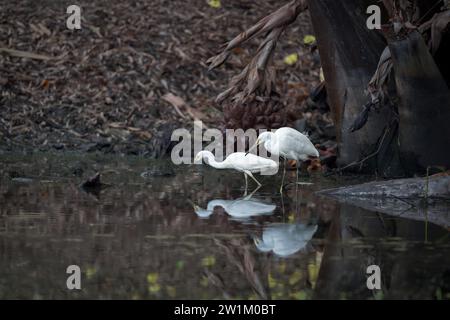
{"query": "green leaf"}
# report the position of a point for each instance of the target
(291, 59)
(180, 264)
(152, 278)
(208, 261)
(214, 3)
(309, 39)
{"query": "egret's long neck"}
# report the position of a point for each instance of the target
(273, 143)
(217, 203)
(213, 163)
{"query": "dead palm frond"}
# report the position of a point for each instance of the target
(375, 88)
(257, 75)
(280, 18)
(380, 76)
(438, 24)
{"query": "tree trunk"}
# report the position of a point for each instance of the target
(349, 54)
(424, 106)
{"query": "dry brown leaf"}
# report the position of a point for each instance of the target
(176, 102)
(381, 76)
(45, 84)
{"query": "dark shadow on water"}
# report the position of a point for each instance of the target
(141, 238)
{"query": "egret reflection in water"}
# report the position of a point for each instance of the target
(285, 239)
(242, 208)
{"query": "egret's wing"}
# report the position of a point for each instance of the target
(296, 143)
(283, 239)
(287, 248)
(247, 208)
(305, 233)
(250, 162)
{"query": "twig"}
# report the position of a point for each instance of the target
(361, 162)
(427, 183)
(25, 54)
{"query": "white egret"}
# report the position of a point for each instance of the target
(289, 144)
(240, 209)
(239, 161)
(285, 239)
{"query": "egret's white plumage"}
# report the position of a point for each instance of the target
(285, 239)
(239, 208)
(239, 161)
(289, 144)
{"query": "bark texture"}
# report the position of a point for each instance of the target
(349, 54)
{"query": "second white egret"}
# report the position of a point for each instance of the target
(285, 239)
(289, 144)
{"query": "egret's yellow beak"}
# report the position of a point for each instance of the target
(197, 158)
(257, 143)
(196, 207)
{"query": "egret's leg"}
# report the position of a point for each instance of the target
(246, 184)
(251, 194)
(251, 176)
(296, 188)
(282, 179)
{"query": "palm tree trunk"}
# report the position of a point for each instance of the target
(349, 54)
(424, 106)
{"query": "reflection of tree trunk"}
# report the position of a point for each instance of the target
(349, 53)
(410, 281)
(327, 272)
(343, 270)
(424, 109)
(404, 272)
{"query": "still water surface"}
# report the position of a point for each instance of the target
(188, 232)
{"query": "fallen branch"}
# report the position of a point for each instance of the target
(416, 198)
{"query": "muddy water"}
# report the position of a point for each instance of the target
(188, 232)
